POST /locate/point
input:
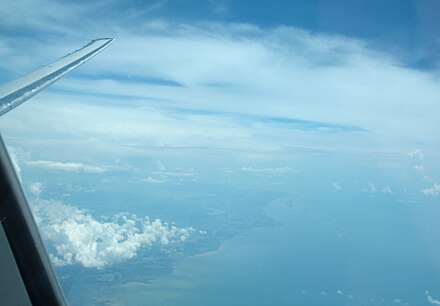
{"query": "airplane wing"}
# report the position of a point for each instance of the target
(26, 275)
(18, 91)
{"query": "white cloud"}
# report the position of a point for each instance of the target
(340, 292)
(433, 191)
(417, 154)
(238, 69)
(79, 238)
(151, 180)
(371, 187)
(179, 175)
(70, 167)
(419, 167)
(36, 188)
(278, 170)
(431, 300)
(336, 186)
(387, 189)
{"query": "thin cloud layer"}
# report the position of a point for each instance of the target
(277, 170)
(250, 72)
(79, 238)
(69, 167)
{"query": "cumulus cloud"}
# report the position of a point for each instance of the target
(433, 191)
(387, 189)
(431, 299)
(79, 238)
(69, 167)
(372, 188)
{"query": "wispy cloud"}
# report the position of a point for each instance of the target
(69, 167)
(277, 170)
(336, 186)
(151, 180)
(307, 77)
(160, 166)
(163, 174)
(419, 167)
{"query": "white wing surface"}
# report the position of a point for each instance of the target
(18, 91)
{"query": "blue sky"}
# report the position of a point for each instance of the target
(338, 96)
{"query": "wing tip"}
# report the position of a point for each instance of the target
(109, 39)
